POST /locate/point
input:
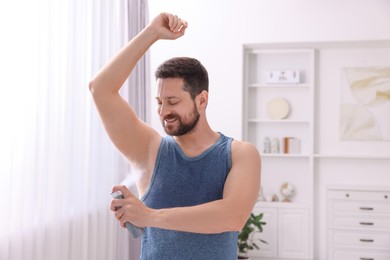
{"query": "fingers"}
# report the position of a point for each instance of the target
(118, 206)
(119, 213)
(118, 203)
(168, 26)
(124, 190)
(120, 216)
(123, 221)
(176, 24)
(123, 208)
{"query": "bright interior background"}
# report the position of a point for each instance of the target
(218, 29)
(216, 34)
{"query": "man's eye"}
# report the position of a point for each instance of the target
(173, 103)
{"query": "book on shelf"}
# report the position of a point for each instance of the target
(291, 145)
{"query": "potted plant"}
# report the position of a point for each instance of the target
(246, 240)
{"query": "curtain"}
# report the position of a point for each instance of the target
(134, 89)
(57, 165)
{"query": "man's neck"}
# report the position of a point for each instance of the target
(196, 142)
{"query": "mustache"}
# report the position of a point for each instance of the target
(171, 116)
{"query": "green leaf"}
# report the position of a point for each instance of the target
(253, 224)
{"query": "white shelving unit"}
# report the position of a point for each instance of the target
(325, 158)
(284, 220)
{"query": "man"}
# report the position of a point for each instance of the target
(197, 186)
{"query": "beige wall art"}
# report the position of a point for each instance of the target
(365, 104)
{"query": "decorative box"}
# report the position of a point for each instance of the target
(282, 76)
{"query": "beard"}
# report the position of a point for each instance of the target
(186, 124)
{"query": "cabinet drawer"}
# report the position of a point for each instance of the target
(360, 207)
(364, 223)
(358, 255)
(366, 240)
(350, 195)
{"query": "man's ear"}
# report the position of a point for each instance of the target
(203, 99)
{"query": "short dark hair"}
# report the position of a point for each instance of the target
(193, 73)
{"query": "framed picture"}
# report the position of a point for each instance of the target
(365, 104)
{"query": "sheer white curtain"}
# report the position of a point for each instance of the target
(57, 165)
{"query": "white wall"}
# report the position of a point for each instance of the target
(216, 34)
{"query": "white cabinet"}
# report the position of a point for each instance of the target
(358, 223)
(293, 233)
(286, 231)
(269, 234)
(274, 112)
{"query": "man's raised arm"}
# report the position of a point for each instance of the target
(129, 134)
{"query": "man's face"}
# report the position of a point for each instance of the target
(178, 112)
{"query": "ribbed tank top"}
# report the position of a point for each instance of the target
(180, 181)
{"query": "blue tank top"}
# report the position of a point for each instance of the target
(180, 181)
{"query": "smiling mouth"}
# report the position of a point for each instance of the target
(170, 120)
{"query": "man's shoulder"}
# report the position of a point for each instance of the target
(239, 144)
(244, 148)
(245, 155)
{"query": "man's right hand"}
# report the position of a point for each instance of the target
(168, 26)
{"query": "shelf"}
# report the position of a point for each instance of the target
(283, 155)
(289, 205)
(328, 156)
(275, 121)
(256, 49)
(358, 187)
(270, 86)
(352, 156)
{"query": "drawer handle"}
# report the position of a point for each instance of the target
(366, 223)
(366, 208)
(366, 240)
(366, 258)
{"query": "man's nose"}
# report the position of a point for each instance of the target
(163, 110)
